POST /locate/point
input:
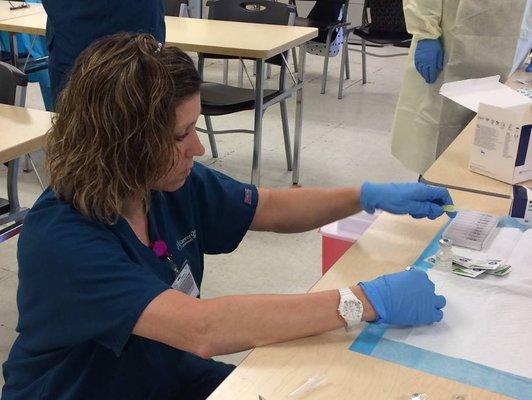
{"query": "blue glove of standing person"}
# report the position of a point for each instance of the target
(405, 298)
(428, 59)
(417, 199)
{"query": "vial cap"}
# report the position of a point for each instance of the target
(445, 242)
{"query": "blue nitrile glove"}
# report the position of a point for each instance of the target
(405, 298)
(428, 59)
(417, 199)
(529, 68)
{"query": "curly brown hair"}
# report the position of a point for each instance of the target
(112, 137)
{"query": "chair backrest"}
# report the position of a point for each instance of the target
(255, 11)
(385, 16)
(329, 11)
(173, 8)
(13, 84)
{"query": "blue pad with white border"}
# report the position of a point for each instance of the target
(372, 342)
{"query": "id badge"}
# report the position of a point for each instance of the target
(185, 282)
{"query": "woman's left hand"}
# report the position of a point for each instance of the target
(417, 199)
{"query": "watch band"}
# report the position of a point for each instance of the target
(350, 308)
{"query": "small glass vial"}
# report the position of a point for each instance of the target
(444, 256)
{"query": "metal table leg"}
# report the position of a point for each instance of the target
(14, 48)
(11, 212)
(12, 186)
(240, 73)
(344, 63)
(259, 112)
(226, 72)
(299, 114)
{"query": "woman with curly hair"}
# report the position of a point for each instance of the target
(111, 255)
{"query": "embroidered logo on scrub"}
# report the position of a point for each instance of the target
(247, 196)
(181, 243)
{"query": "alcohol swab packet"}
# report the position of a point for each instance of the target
(466, 262)
(450, 208)
(502, 271)
(470, 273)
(311, 384)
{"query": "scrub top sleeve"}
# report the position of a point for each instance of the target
(225, 207)
(86, 289)
(423, 18)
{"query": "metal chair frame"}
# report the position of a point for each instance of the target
(260, 106)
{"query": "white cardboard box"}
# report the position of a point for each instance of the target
(502, 147)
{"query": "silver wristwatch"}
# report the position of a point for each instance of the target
(350, 308)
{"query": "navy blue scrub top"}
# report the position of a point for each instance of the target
(83, 285)
(75, 24)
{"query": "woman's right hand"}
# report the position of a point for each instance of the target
(404, 298)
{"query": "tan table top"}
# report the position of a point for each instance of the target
(451, 169)
(34, 24)
(202, 35)
(389, 245)
(22, 130)
(6, 13)
(234, 38)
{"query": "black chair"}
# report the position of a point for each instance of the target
(176, 8)
(27, 65)
(223, 99)
(24, 61)
(13, 85)
(330, 17)
(383, 23)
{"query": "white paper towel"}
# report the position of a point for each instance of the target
(487, 320)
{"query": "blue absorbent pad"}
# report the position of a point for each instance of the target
(372, 343)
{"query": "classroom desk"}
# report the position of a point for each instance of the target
(237, 39)
(22, 130)
(33, 23)
(7, 13)
(451, 169)
(389, 245)
(23, 17)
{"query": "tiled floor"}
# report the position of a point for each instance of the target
(344, 142)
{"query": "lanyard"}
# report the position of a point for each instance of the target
(160, 248)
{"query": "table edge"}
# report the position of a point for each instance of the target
(464, 189)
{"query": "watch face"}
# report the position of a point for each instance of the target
(350, 310)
